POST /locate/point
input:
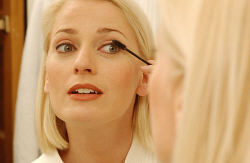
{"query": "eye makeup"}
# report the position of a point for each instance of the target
(123, 47)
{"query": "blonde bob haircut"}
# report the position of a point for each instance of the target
(51, 131)
(215, 124)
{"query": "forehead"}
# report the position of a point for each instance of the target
(91, 14)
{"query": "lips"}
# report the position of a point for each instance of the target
(84, 92)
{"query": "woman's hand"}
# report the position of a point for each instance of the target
(148, 68)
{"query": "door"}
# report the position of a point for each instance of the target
(11, 46)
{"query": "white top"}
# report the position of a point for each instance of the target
(136, 154)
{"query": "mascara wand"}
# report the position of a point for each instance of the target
(123, 47)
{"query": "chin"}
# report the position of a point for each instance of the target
(78, 114)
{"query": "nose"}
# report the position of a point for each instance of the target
(84, 62)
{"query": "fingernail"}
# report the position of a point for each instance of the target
(144, 67)
(151, 61)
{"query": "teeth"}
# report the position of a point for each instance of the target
(86, 91)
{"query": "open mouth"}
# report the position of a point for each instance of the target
(85, 91)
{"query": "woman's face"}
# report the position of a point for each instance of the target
(165, 101)
(87, 77)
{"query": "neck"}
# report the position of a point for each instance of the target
(103, 143)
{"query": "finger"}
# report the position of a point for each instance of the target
(146, 69)
(151, 61)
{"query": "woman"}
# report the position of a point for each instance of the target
(204, 68)
(94, 109)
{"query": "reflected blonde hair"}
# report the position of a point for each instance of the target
(216, 103)
(51, 131)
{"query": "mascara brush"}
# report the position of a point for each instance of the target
(123, 47)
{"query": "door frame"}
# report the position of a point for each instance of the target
(13, 48)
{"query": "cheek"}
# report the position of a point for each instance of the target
(56, 73)
(123, 82)
(124, 75)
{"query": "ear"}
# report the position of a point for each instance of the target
(142, 89)
(46, 85)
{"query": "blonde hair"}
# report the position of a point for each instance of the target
(51, 131)
(216, 102)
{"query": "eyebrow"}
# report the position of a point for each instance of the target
(100, 30)
(107, 30)
(67, 30)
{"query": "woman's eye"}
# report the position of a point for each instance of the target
(110, 48)
(64, 48)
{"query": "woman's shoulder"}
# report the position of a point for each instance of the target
(52, 157)
(139, 154)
